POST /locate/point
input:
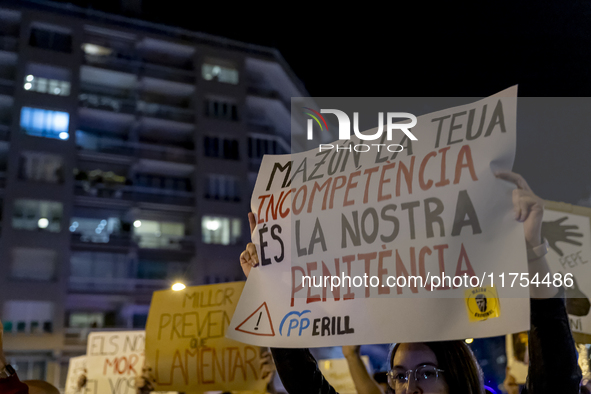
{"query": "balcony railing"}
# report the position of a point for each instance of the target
(109, 103)
(134, 193)
(164, 241)
(139, 149)
(120, 101)
(7, 72)
(143, 241)
(112, 240)
(116, 62)
(166, 112)
(8, 43)
(123, 285)
(168, 73)
(266, 92)
(4, 132)
(134, 65)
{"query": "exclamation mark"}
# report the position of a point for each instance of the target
(258, 321)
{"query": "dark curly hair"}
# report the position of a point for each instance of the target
(462, 372)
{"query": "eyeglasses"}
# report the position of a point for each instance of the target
(426, 376)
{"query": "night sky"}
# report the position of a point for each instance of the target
(423, 50)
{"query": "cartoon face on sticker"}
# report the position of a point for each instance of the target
(482, 303)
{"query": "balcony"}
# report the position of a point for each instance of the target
(123, 241)
(106, 103)
(8, 43)
(167, 112)
(119, 285)
(186, 75)
(167, 242)
(133, 149)
(122, 101)
(269, 93)
(4, 131)
(132, 193)
(115, 61)
(7, 72)
(7, 78)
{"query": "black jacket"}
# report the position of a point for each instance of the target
(553, 365)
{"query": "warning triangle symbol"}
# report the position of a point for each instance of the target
(258, 323)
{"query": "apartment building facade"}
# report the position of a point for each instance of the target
(128, 153)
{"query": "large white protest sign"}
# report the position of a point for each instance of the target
(114, 359)
(568, 231)
(433, 210)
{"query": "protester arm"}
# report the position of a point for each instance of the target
(363, 382)
(540, 267)
(553, 358)
(299, 372)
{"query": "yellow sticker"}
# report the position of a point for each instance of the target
(482, 303)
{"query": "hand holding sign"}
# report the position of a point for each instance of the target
(144, 383)
(249, 257)
(267, 367)
(528, 207)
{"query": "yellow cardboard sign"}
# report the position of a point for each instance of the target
(186, 344)
(482, 303)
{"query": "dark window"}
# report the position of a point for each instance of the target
(47, 327)
(51, 40)
(229, 148)
(221, 110)
(139, 321)
(152, 270)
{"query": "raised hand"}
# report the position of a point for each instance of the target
(144, 383)
(555, 232)
(249, 257)
(267, 367)
(527, 207)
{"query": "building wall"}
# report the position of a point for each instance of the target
(155, 127)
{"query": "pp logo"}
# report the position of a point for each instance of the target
(296, 321)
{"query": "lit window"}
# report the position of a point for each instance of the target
(49, 86)
(96, 50)
(86, 320)
(159, 235)
(220, 230)
(95, 230)
(37, 215)
(45, 123)
(218, 73)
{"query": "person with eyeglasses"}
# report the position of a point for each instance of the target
(449, 367)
